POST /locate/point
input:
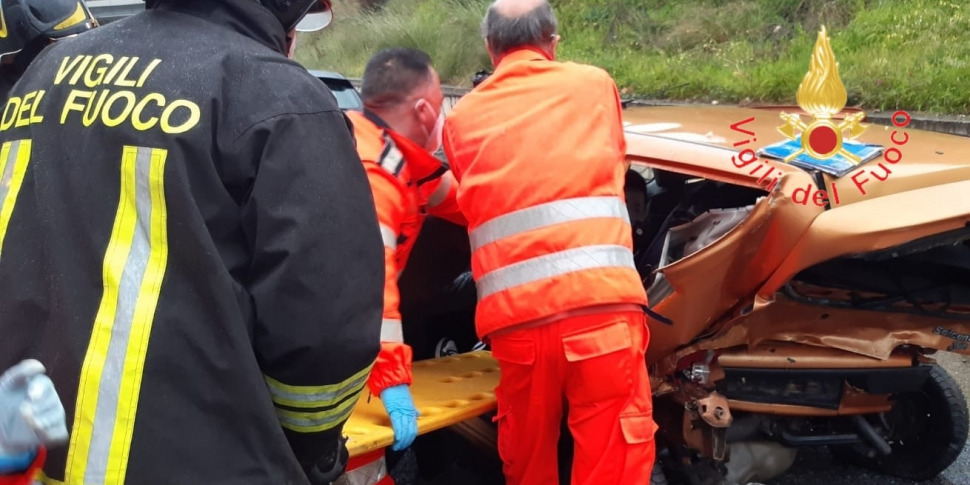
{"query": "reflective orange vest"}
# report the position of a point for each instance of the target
(407, 183)
(538, 150)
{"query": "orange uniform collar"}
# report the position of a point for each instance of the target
(523, 54)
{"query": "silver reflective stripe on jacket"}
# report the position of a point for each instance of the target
(440, 193)
(548, 214)
(554, 264)
(392, 330)
(391, 159)
(389, 237)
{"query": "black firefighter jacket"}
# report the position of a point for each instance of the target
(189, 243)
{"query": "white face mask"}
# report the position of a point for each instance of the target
(433, 141)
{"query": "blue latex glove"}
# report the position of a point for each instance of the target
(31, 415)
(404, 416)
(18, 463)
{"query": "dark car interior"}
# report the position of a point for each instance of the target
(437, 290)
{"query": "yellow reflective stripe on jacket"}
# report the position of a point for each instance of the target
(316, 396)
(316, 421)
(111, 375)
(14, 158)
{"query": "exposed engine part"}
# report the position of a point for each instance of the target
(706, 421)
(684, 466)
(788, 438)
(871, 435)
(757, 461)
(719, 443)
(714, 410)
(747, 428)
(700, 374)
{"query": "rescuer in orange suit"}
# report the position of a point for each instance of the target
(397, 132)
(538, 150)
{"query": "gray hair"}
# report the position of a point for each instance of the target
(535, 28)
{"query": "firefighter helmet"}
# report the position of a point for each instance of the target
(24, 21)
(303, 15)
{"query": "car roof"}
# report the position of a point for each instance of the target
(327, 74)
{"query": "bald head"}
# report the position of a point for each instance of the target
(517, 8)
(511, 24)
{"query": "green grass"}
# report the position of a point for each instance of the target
(893, 54)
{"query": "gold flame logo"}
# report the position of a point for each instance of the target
(822, 94)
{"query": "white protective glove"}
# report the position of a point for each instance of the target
(31, 413)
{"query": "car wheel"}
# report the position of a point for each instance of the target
(927, 431)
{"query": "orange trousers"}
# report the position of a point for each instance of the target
(595, 365)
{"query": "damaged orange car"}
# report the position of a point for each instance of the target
(801, 268)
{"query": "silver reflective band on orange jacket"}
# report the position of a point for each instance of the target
(389, 237)
(392, 330)
(544, 215)
(441, 192)
(556, 263)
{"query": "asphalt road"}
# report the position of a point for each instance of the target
(817, 467)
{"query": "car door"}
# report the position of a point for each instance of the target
(717, 261)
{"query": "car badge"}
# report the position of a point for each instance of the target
(821, 143)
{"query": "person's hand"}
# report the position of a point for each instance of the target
(31, 414)
(404, 416)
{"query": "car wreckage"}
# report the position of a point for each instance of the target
(791, 308)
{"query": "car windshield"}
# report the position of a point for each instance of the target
(347, 97)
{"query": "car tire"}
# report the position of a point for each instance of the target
(928, 431)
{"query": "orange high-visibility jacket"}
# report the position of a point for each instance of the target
(538, 150)
(407, 183)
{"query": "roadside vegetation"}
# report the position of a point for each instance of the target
(893, 54)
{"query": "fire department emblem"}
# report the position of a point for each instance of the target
(824, 142)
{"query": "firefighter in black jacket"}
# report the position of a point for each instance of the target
(189, 244)
(28, 26)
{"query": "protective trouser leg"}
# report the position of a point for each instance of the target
(597, 363)
(530, 406)
(610, 407)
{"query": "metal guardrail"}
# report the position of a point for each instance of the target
(953, 125)
(452, 93)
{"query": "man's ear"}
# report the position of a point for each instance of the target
(491, 56)
(290, 44)
(552, 47)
